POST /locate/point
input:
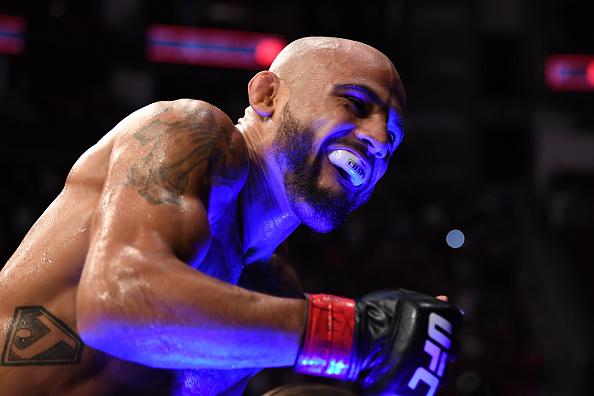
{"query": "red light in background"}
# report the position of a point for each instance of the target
(212, 47)
(12, 35)
(590, 73)
(267, 50)
(570, 72)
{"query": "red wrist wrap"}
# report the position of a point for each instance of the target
(327, 348)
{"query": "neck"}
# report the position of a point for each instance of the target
(267, 216)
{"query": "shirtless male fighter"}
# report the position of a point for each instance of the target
(128, 282)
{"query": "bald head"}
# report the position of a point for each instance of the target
(309, 58)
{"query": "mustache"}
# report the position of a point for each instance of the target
(355, 144)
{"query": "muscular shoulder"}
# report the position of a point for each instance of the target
(179, 145)
(205, 123)
(189, 112)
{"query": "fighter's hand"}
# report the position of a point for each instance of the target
(394, 342)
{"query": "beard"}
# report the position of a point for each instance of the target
(319, 208)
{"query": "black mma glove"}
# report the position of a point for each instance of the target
(393, 342)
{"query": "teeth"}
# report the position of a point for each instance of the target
(350, 163)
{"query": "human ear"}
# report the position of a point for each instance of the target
(262, 91)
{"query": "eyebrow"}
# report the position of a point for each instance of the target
(374, 97)
(361, 88)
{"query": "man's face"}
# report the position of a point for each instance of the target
(334, 141)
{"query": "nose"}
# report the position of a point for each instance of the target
(375, 136)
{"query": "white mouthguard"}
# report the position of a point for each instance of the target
(350, 163)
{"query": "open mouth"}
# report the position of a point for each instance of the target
(349, 166)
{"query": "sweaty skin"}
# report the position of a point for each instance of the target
(148, 272)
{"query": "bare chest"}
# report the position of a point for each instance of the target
(222, 256)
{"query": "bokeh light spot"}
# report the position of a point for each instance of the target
(590, 73)
(267, 50)
(455, 239)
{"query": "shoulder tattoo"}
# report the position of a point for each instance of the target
(176, 148)
(36, 337)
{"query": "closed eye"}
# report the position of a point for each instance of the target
(358, 105)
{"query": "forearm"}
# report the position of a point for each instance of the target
(172, 316)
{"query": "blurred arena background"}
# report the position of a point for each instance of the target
(499, 145)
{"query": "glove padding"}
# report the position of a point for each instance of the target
(403, 341)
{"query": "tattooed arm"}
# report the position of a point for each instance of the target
(137, 298)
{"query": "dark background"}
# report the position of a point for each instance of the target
(488, 150)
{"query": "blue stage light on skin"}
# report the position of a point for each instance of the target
(455, 239)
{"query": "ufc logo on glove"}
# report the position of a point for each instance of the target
(392, 342)
(438, 339)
